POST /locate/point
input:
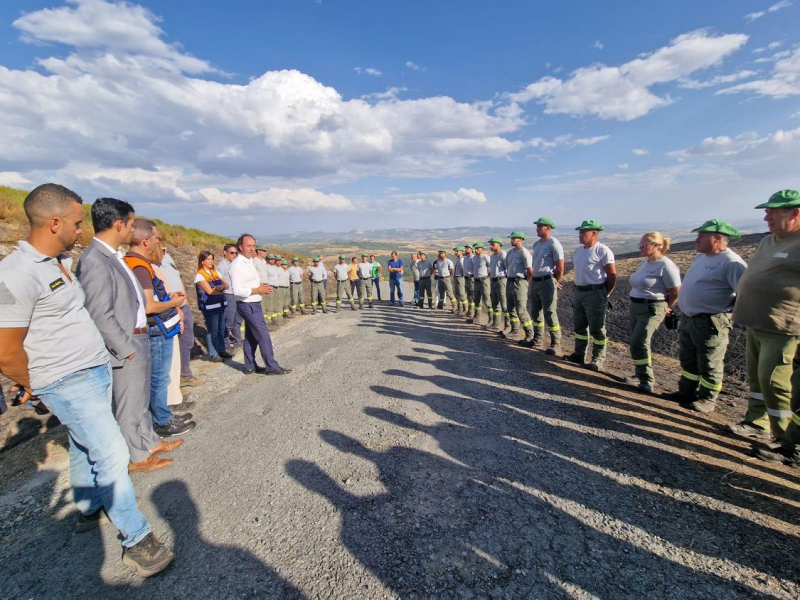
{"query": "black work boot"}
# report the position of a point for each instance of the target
(530, 338)
(538, 338)
(148, 557)
(555, 345)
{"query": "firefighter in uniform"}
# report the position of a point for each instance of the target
(284, 290)
(365, 278)
(595, 278)
(298, 299)
(548, 268)
(317, 276)
(481, 282)
(425, 267)
(341, 273)
(469, 309)
(443, 270)
(519, 265)
(498, 272)
(460, 282)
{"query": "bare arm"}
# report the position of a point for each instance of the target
(13, 358)
(672, 297)
(611, 277)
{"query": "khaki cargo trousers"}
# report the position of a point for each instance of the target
(589, 309)
(703, 340)
(482, 295)
(298, 296)
(644, 319)
(543, 298)
(517, 296)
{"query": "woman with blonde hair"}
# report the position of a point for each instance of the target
(654, 291)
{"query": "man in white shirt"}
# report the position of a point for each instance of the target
(341, 272)
(443, 270)
(318, 275)
(595, 278)
(365, 275)
(233, 321)
(298, 298)
(247, 289)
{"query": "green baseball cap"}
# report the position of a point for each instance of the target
(270, 257)
(342, 257)
(545, 221)
(782, 199)
(363, 255)
(423, 253)
(442, 251)
(495, 240)
(517, 234)
(284, 261)
(458, 249)
(590, 225)
(316, 259)
(295, 259)
(467, 246)
(479, 245)
(718, 226)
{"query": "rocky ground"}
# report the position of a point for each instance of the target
(411, 455)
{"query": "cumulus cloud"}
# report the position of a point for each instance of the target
(567, 141)
(623, 92)
(598, 45)
(772, 46)
(750, 17)
(441, 199)
(784, 80)
(415, 67)
(656, 178)
(368, 71)
(623, 166)
(125, 102)
(303, 199)
(748, 143)
(640, 151)
(691, 84)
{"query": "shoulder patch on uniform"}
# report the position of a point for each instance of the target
(57, 284)
(6, 296)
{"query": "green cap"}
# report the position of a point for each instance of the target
(442, 251)
(270, 257)
(467, 246)
(782, 199)
(479, 245)
(342, 257)
(363, 255)
(495, 240)
(718, 226)
(423, 253)
(316, 259)
(284, 261)
(261, 249)
(517, 234)
(545, 221)
(295, 259)
(458, 249)
(590, 225)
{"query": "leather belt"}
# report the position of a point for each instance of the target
(513, 279)
(709, 315)
(501, 277)
(366, 278)
(588, 288)
(295, 283)
(315, 281)
(543, 278)
(481, 278)
(342, 280)
(646, 300)
(140, 330)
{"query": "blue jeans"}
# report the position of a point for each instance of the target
(215, 325)
(395, 284)
(416, 291)
(98, 455)
(161, 358)
(376, 284)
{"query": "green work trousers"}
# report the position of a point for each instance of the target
(317, 294)
(469, 287)
(543, 298)
(482, 295)
(517, 294)
(770, 367)
(792, 436)
(645, 319)
(267, 301)
(425, 288)
(589, 320)
(365, 290)
(342, 290)
(703, 340)
(445, 285)
(461, 291)
(499, 303)
(298, 296)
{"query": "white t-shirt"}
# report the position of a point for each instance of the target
(295, 274)
(341, 272)
(317, 274)
(653, 279)
(590, 264)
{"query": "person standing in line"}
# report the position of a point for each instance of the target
(395, 278)
(233, 321)
(469, 307)
(377, 270)
(116, 302)
(352, 274)
(481, 281)
(247, 289)
(296, 287)
(706, 301)
(654, 291)
(548, 269)
(443, 270)
(212, 302)
(284, 290)
(519, 264)
(365, 275)
(261, 265)
(270, 301)
(460, 283)
(499, 274)
(163, 322)
(50, 347)
(317, 276)
(415, 276)
(341, 272)
(425, 267)
(595, 278)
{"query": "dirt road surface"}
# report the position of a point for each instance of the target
(410, 455)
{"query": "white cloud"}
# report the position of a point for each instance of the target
(598, 44)
(390, 94)
(746, 144)
(623, 92)
(14, 180)
(441, 199)
(567, 141)
(772, 46)
(640, 151)
(691, 84)
(656, 178)
(368, 71)
(775, 57)
(784, 80)
(750, 17)
(124, 102)
(415, 67)
(303, 199)
(623, 166)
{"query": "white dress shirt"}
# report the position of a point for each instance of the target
(244, 279)
(141, 316)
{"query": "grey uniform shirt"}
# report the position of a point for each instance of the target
(468, 265)
(654, 278)
(295, 274)
(317, 273)
(497, 264)
(545, 256)
(341, 272)
(590, 264)
(518, 262)
(480, 265)
(444, 268)
(709, 286)
(424, 267)
(62, 338)
(224, 270)
(458, 271)
(261, 266)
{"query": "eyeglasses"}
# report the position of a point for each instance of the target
(643, 246)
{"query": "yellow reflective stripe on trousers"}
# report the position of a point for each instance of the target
(690, 376)
(514, 320)
(554, 329)
(710, 386)
(578, 336)
(796, 419)
(598, 342)
(527, 324)
(539, 324)
(643, 361)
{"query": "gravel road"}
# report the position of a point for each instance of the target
(410, 455)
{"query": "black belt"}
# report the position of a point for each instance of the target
(295, 283)
(314, 281)
(469, 276)
(496, 278)
(282, 287)
(513, 279)
(543, 278)
(588, 288)
(645, 300)
(481, 278)
(458, 276)
(342, 280)
(366, 278)
(709, 315)
(424, 276)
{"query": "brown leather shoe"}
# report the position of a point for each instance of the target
(152, 463)
(164, 446)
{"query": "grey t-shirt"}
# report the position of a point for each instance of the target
(518, 262)
(62, 338)
(497, 264)
(545, 255)
(424, 267)
(468, 264)
(480, 265)
(444, 267)
(653, 279)
(709, 286)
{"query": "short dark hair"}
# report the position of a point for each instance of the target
(105, 211)
(227, 247)
(142, 229)
(240, 241)
(48, 200)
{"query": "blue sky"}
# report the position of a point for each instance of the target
(337, 115)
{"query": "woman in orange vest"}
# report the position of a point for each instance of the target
(211, 301)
